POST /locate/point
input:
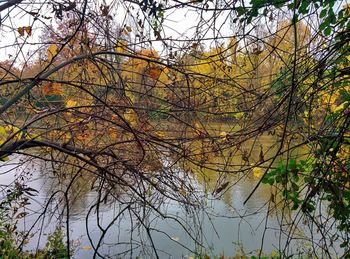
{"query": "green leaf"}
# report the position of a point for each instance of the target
(240, 10)
(323, 13)
(327, 31)
(323, 25)
(303, 9)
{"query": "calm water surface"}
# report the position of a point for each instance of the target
(224, 225)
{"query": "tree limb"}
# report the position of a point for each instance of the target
(9, 3)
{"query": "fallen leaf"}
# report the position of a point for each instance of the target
(175, 238)
(87, 248)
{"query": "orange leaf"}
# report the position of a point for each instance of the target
(154, 73)
(21, 31)
(52, 89)
(28, 30)
(56, 89)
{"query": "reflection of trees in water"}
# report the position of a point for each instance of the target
(80, 191)
(141, 194)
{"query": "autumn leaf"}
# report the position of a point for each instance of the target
(47, 89)
(71, 103)
(104, 9)
(223, 135)
(82, 137)
(21, 31)
(52, 51)
(28, 30)
(113, 133)
(120, 46)
(194, 45)
(131, 117)
(87, 248)
(257, 172)
(221, 188)
(154, 73)
(52, 89)
(128, 28)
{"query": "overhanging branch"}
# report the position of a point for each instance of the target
(9, 3)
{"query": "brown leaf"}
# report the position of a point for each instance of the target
(194, 45)
(33, 13)
(28, 30)
(104, 9)
(272, 198)
(261, 155)
(221, 188)
(245, 156)
(21, 31)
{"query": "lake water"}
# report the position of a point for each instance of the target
(219, 221)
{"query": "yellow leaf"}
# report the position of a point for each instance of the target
(160, 134)
(52, 51)
(71, 103)
(239, 115)
(120, 46)
(257, 172)
(56, 89)
(10, 130)
(87, 248)
(131, 117)
(32, 136)
(223, 134)
(339, 107)
(2, 134)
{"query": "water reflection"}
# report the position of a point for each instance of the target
(202, 208)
